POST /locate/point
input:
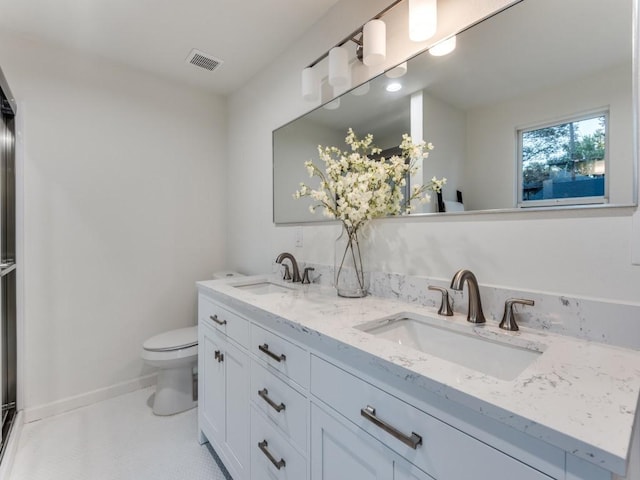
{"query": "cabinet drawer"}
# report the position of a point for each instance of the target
(229, 323)
(439, 447)
(281, 403)
(281, 355)
(269, 450)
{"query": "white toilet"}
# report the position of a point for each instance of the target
(175, 354)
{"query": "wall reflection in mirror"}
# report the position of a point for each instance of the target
(533, 108)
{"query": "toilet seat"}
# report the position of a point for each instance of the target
(181, 338)
(169, 358)
(174, 354)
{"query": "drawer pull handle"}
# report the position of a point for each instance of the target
(370, 414)
(264, 394)
(218, 356)
(278, 358)
(276, 463)
(215, 319)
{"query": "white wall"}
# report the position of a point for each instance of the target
(124, 184)
(444, 126)
(583, 253)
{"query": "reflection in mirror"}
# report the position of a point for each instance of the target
(564, 163)
(537, 66)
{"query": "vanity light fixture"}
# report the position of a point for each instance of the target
(310, 85)
(371, 41)
(339, 67)
(333, 104)
(397, 72)
(374, 42)
(423, 19)
(443, 48)
(360, 75)
(337, 91)
(372, 51)
(393, 87)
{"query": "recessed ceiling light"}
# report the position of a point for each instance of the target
(394, 87)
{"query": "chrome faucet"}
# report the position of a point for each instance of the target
(475, 314)
(294, 265)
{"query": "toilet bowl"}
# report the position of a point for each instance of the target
(174, 354)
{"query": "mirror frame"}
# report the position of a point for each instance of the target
(635, 95)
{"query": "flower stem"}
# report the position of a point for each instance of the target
(352, 244)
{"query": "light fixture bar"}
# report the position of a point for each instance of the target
(353, 36)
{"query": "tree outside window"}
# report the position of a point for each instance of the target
(564, 162)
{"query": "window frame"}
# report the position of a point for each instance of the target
(591, 114)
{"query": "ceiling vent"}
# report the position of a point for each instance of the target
(203, 60)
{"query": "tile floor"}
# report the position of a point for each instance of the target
(117, 439)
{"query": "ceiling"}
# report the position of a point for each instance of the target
(157, 35)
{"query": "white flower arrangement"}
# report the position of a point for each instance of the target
(359, 185)
(356, 186)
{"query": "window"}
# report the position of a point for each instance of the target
(563, 163)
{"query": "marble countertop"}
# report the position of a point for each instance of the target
(577, 395)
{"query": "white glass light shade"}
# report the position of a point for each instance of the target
(310, 84)
(360, 75)
(374, 42)
(361, 90)
(338, 67)
(423, 19)
(398, 71)
(337, 91)
(443, 48)
(333, 104)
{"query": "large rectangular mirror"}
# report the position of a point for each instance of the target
(533, 109)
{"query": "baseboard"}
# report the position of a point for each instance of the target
(77, 401)
(12, 447)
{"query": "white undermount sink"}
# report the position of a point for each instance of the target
(262, 287)
(500, 359)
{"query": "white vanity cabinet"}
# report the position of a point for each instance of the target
(279, 407)
(280, 402)
(272, 454)
(223, 387)
(211, 384)
(341, 451)
(426, 442)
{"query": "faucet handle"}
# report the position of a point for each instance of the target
(305, 275)
(287, 273)
(445, 303)
(508, 318)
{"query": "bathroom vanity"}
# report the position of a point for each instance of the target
(297, 383)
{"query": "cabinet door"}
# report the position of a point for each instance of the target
(212, 383)
(237, 368)
(339, 453)
(406, 471)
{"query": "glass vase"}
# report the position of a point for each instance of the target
(350, 275)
